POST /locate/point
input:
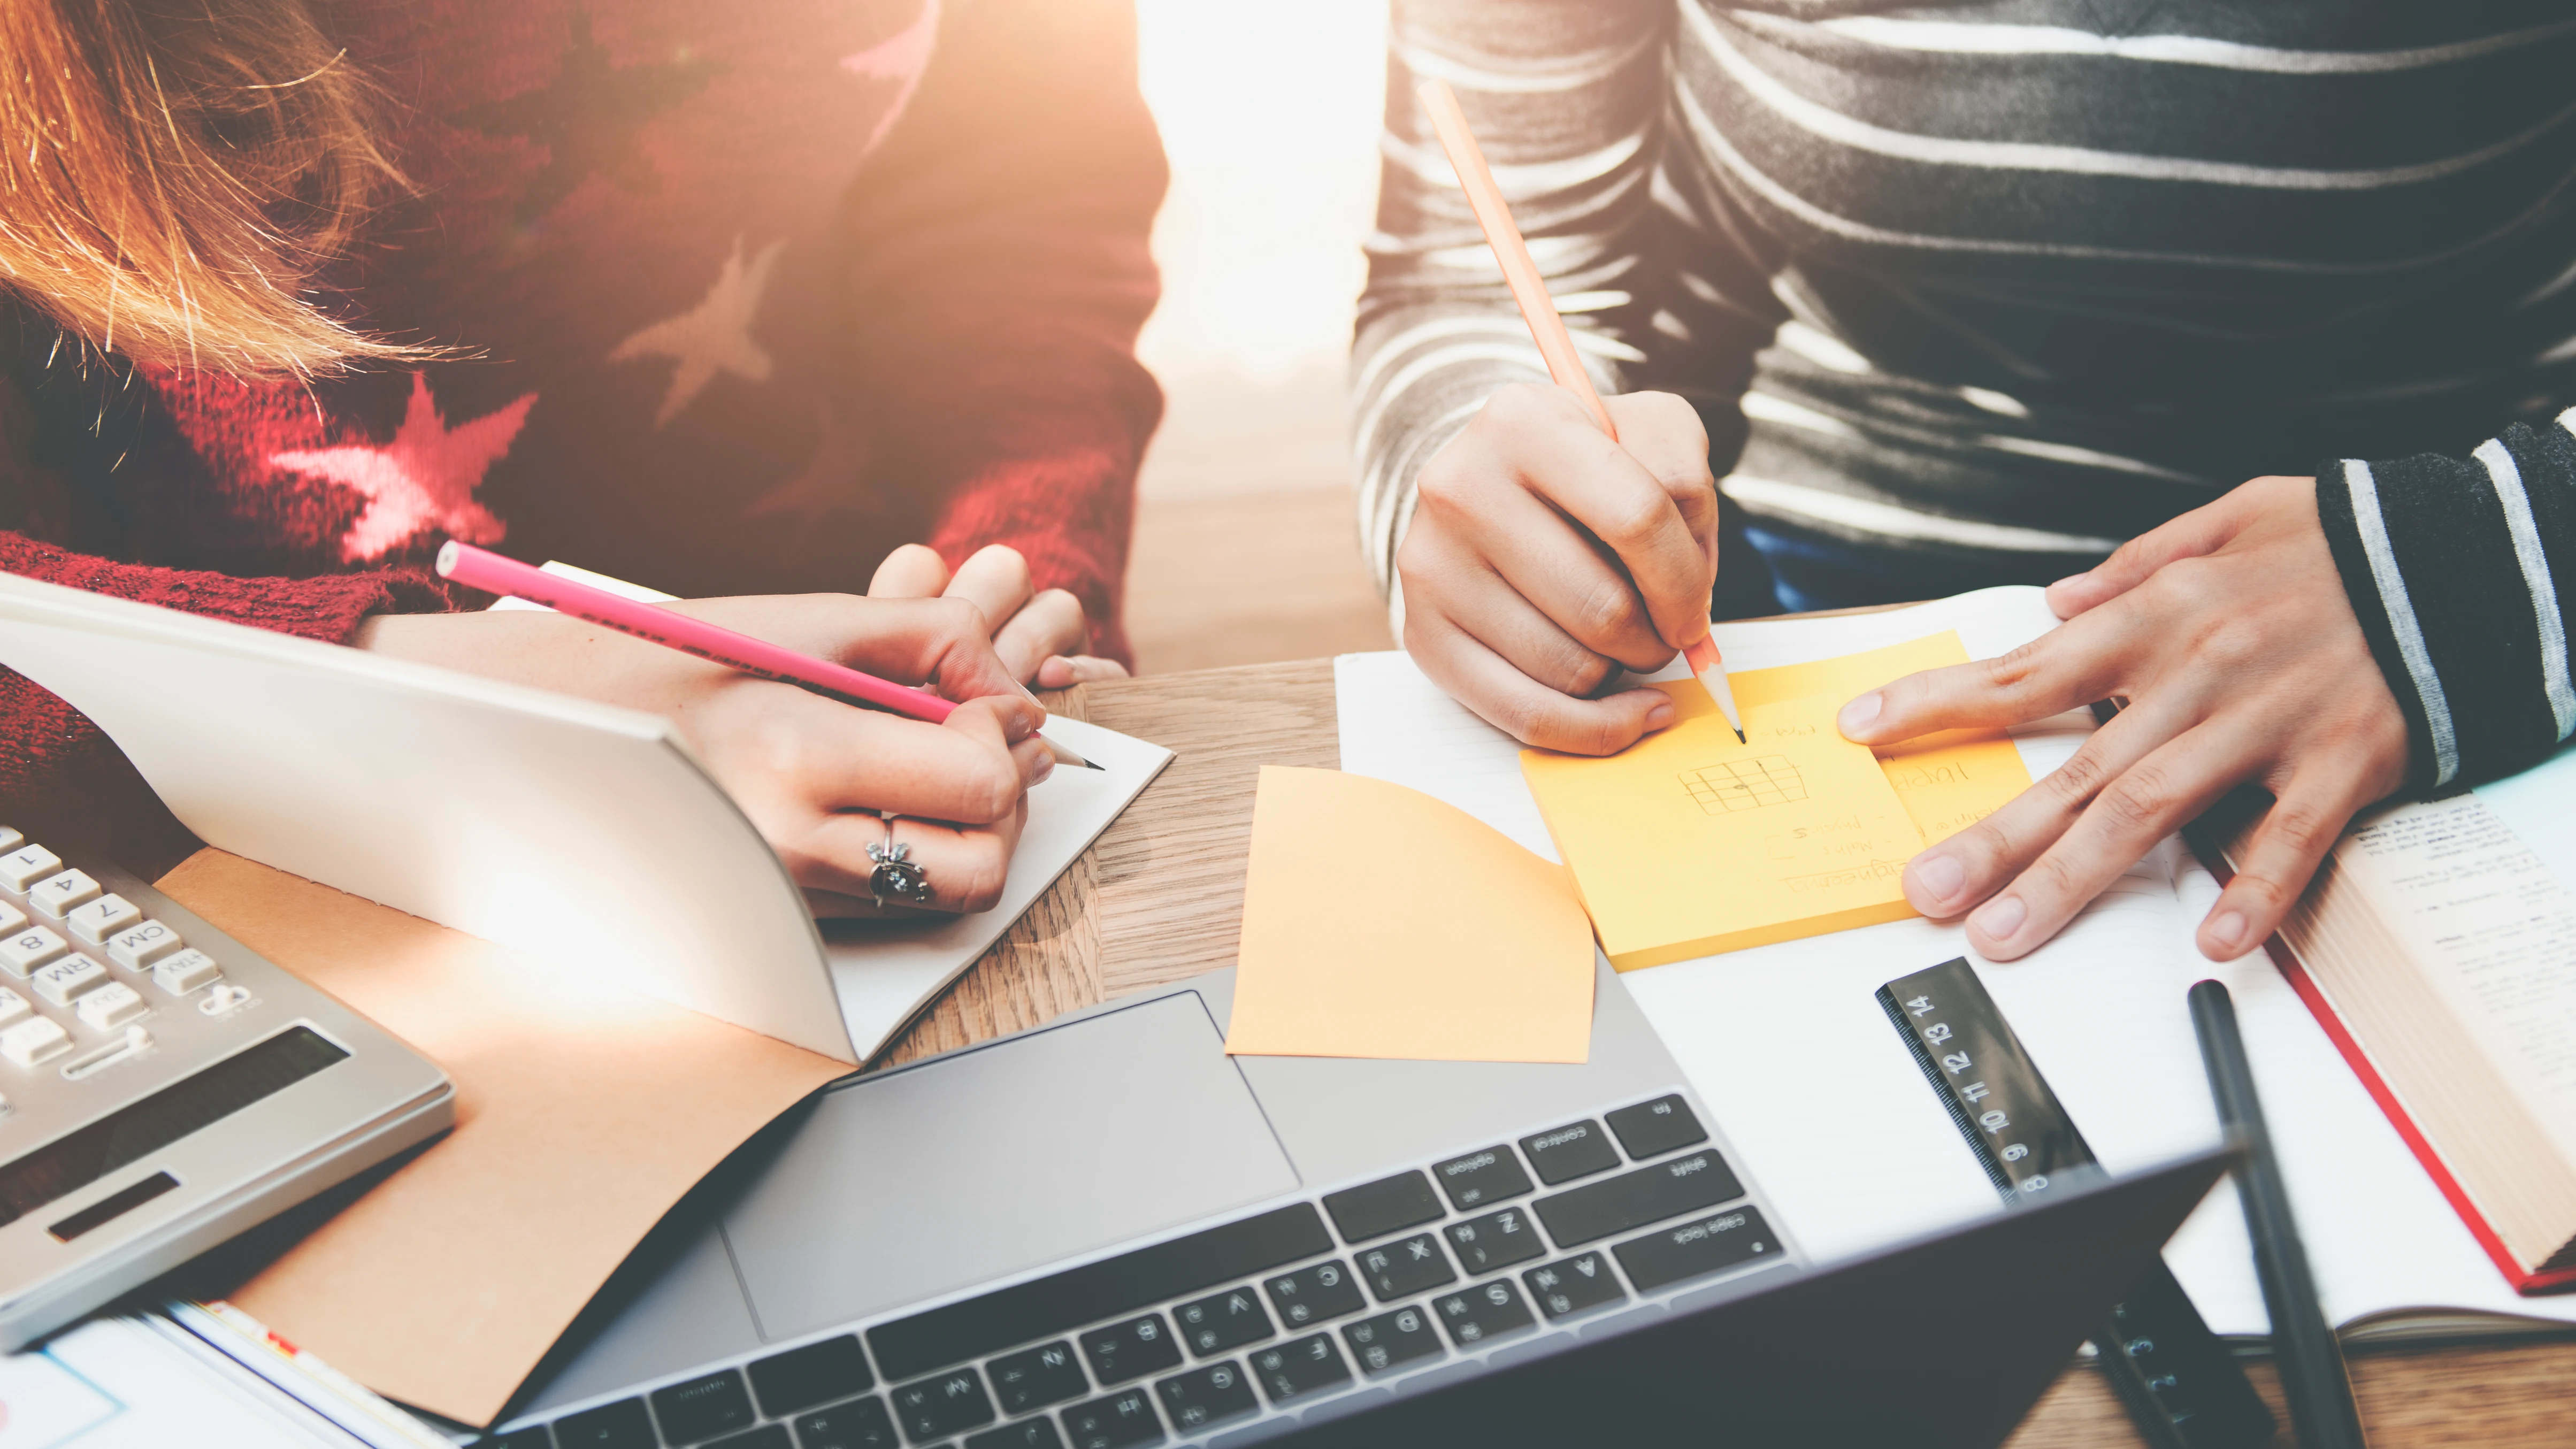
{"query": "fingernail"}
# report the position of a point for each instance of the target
(2002, 916)
(1858, 714)
(1941, 875)
(1659, 714)
(1046, 767)
(2227, 928)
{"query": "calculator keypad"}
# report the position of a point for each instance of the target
(85, 966)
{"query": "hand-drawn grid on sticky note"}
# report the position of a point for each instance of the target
(1745, 784)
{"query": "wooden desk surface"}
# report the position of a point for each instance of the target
(1157, 900)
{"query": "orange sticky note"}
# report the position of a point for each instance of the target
(1379, 922)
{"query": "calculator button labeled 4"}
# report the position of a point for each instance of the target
(111, 1006)
(137, 947)
(27, 865)
(56, 894)
(187, 970)
(29, 949)
(95, 921)
(34, 1041)
(68, 978)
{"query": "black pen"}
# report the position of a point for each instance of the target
(2303, 1345)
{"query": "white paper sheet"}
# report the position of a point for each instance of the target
(1834, 1117)
(140, 1381)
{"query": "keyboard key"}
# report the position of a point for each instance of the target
(944, 1405)
(1026, 1434)
(1043, 1375)
(1651, 1129)
(1222, 1321)
(1496, 1240)
(111, 1006)
(190, 969)
(703, 1408)
(622, 1425)
(1570, 1152)
(1574, 1285)
(56, 894)
(1116, 1422)
(1132, 1349)
(1634, 1199)
(1492, 1175)
(1300, 1366)
(137, 947)
(1402, 1269)
(767, 1436)
(11, 918)
(784, 1383)
(12, 1006)
(1391, 1340)
(1318, 1294)
(858, 1424)
(39, 1039)
(1485, 1311)
(29, 949)
(1205, 1396)
(1701, 1246)
(97, 920)
(60, 981)
(9, 838)
(535, 1436)
(1375, 1209)
(27, 865)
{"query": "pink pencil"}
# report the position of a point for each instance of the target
(482, 569)
(1547, 326)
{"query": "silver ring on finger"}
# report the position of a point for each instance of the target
(897, 875)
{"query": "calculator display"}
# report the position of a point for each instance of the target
(76, 1160)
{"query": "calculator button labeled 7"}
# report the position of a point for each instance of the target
(38, 1040)
(137, 947)
(29, 949)
(95, 921)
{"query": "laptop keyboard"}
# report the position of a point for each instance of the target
(1362, 1292)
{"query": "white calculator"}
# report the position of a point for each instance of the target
(162, 1088)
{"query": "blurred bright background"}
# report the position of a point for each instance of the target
(1245, 549)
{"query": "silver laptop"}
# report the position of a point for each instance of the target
(1105, 1232)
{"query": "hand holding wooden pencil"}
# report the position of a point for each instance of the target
(1561, 537)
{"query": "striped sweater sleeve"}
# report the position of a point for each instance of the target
(1568, 99)
(2461, 571)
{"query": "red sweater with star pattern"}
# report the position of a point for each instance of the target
(741, 297)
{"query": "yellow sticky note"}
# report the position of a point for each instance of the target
(1379, 922)
(1690, 842)
(1948, 781)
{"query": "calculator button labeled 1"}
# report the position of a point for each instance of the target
(27, 865)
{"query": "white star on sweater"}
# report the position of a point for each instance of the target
(714, 336)
(424, 478)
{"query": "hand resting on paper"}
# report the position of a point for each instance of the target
(1032, 630)
(2229, 635)
(811, 772)
(1543, 557)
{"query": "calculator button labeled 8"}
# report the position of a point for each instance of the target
(137, 947)
(29, 949)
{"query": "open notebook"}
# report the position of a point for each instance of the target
(1830, 1111)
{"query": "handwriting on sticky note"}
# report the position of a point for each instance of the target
(1690, 842)
(1948, 781)
(1380, 922)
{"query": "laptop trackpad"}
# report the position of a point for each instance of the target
(999, 1160)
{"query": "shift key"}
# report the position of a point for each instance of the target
(1634, 1199)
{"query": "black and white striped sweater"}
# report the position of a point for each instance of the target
(2004, 284)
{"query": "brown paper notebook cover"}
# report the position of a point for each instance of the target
(582, 1113)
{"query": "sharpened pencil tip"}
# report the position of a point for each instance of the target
(1740, 739)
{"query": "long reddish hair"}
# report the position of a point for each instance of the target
(174, 173)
